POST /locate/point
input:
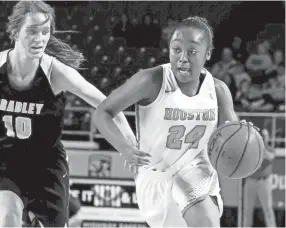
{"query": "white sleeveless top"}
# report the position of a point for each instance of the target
(175, 128)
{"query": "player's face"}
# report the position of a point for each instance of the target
(34, 34)
(188, 53)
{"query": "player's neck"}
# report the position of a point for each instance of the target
(190, 88)
(21, 63)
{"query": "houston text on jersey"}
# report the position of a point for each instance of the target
(191, 114)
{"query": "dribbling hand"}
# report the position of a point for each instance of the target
(245, 122)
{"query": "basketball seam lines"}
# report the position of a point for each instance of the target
(242, 152)
(259, 152)
(225, 143)
(226, 125)
(218, 129)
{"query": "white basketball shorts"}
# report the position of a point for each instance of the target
(163, 196)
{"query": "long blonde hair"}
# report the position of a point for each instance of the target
(55, 47)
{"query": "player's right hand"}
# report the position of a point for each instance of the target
(135, 158)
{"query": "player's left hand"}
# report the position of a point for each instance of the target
(245, 122)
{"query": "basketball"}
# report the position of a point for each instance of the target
(236, 150)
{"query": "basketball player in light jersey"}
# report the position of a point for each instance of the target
(179, 105)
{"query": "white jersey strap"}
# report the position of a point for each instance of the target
(3, 57)
(47, 65)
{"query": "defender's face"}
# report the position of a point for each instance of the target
(188, 53)
(34, 34)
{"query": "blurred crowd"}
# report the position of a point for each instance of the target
(119, 40)
(256, 78)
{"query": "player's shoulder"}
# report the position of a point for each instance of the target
(149, 76)
(3, 56)
(219, 84)
(223, 94)
(47, 57)
(52, 67)
(56, 67)
(48, 60)
(220, 87)
(146, 84)
(47, 63)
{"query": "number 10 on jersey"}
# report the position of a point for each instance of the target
(22, 126)
(193, 138)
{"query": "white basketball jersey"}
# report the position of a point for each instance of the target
(175, 128)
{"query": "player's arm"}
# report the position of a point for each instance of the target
(225, 103)
(270, 154)
(141, 88)
(65, 78)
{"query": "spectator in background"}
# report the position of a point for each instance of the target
(274, 88)
(157, 33)
(166, 31)
(281, 75)
(241, 101)
(267, 45)
(258, 63)
(148, 29)
(122, 29)
(278, 62)
(220, 70)
(249, 97)
(134, 33)
(259, 185)
(278, 57)
(237, 49)
(236, 74)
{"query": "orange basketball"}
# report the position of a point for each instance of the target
(236, 150)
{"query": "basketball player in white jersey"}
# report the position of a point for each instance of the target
(178, 106)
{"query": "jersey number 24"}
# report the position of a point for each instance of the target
(22, 126)
(193, 138)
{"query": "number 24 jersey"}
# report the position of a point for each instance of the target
(175, 128)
